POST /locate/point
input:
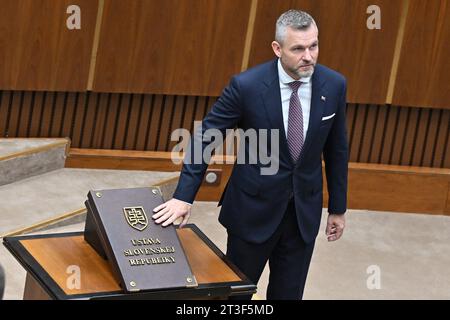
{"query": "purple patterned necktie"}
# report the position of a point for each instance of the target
(295, 122)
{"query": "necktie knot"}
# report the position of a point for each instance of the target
(295, 85)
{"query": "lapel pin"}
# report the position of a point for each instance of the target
(323, 98)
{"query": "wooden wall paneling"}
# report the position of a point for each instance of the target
(188, 115)
(31, 111)
(154, 122)
(207, 106)
(84, 114)
(4, 109)
(35, 119)
(11, 115)
(371, 186)
(69, 115)
(388, 134)
(15, 111)
(21, 115)
(359, 56)
(116, 109)
(25, 113)
(51, 113)
(396, 190)
(427, 124)
(44, 118)
(406, 145)
(74, 103)
(108, 127)
(60, 114)
(190, 53)
(121, 121)
(446, 154)
(138, 132)
(411, 134)
(77, 131)
(267, 13)
(66, 113)
(99, 124)
(350, 47)
(165, 118)
(429, 150)
(38, 51)
(200, 108)
(89, 118)
(399, 137)
(188, 119)
(57, 114)
(198, 113)
(127, 114)
(120, 159)
(420, 137)
(382, 134)
(46, 112)
(121, 113)
(443, 136)
(365, 135)
(423, 77)
(145, 110)
(177, 120)
(131, 130)
(357, 132)
(377, 135)
(366, 143)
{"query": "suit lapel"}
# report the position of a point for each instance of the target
(271, 97)
(316, 113)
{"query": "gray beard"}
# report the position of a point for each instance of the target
(305, 74)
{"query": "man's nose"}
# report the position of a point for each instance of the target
(307, 55)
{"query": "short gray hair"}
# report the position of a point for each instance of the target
(295, 19)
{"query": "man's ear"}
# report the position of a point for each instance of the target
(276, 47)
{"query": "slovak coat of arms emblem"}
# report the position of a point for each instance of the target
(136, 217)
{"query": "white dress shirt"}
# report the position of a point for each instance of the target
(304, 93)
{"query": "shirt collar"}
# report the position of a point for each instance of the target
(285, 78)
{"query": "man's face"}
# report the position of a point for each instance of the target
(299, 51)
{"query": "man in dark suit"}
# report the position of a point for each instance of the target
(276, 217)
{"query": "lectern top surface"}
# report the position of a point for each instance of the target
(56, 259)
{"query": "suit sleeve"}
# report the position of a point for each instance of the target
(225, 114)
(336, 159)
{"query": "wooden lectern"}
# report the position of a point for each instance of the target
(52, 260)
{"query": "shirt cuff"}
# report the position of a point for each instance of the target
(184, 202)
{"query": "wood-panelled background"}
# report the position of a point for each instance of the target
(380, 134)
(139, 69)
(38, 51)
(423, 77)
(364, 56)
(170, 47)
(192, 47)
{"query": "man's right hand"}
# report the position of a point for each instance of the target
(170, 211)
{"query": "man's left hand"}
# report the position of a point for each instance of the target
(335, 226)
